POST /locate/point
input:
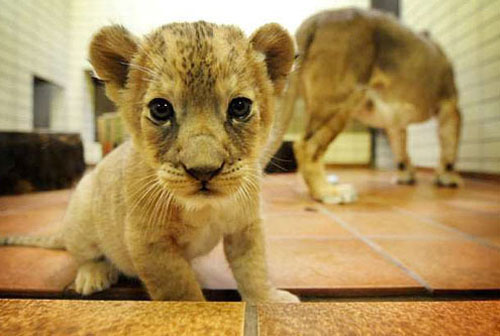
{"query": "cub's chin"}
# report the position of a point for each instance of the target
(206, 192)
(198, 195)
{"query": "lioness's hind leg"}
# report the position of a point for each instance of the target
(95, 276)
(309, 153)
(449, 133)
(397, 140)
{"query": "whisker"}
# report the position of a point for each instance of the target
(277, 165)
(169, 207)
(161, 217)
(253, 185)
(239, 196)
(142, 180)
(133, 192)
(145, 191)
(280, 159)
(143, 69)
(149, 55)
(151, 211)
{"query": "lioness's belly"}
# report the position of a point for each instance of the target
(377, 112)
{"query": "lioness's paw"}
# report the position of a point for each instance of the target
(95, 277)
(448, 179)
(282, 296)
(337, 194)
(405, 177)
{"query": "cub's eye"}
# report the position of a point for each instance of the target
(161, 109)
(239, 108)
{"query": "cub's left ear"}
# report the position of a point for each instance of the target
(275, 43)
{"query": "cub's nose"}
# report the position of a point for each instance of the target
(204, 173)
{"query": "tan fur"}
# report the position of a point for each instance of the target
(139, 212)
(365, 65)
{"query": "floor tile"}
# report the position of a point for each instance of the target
(392, 224)
(448, 265)
(494, 240)
(475, 223)
(308, 250)
(486, 206)
(297, 224)
(332, 266)
(317, 267)
(9, 204)
(44, 220)
(380, 318)
(35, 270)
(50, 317)
(285, 188)
(212, 270)
(272, 206)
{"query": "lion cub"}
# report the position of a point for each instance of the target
(198, 101)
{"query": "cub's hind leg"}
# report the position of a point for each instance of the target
(95, 273)
(449, 133)
(309, 152)
(397, 140)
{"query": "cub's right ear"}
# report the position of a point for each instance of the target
(111, 50)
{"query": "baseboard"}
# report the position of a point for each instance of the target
(348, 166)
(482, 176)
(473, 175)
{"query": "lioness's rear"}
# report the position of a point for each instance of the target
(365, 65)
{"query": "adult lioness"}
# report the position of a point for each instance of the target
(197, 99)
(365, 65)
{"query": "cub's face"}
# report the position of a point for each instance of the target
(197, 99)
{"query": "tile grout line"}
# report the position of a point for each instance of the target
(435, 223)
(307, 237)
(371, 236)
(251, 326)
(375, 247)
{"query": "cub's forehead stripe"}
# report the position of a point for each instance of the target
(199, 62)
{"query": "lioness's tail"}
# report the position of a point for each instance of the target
(305, 36)
(51, 242)
(286, 103)
(283, 114)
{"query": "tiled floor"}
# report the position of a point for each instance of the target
(71, 317)
(381, 318)
(68, 317)
(410, 242)
(396, 240)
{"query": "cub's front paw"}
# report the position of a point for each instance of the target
(336, 194)
(282, 296)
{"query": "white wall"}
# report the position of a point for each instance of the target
(142, 16)
(469, 32)
(49, 38)
(33, 42)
